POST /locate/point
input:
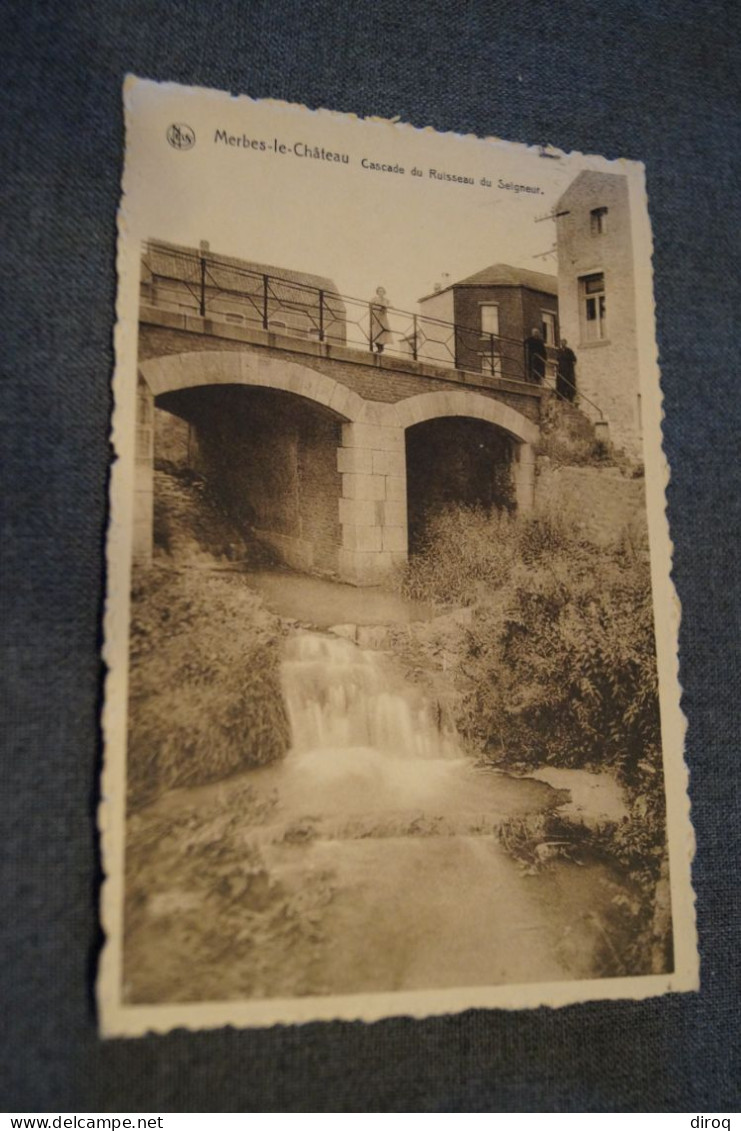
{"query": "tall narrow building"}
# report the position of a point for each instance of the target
(597, 301)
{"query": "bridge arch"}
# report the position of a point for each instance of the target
(265, 429)
(465, 402)
(234, 367)
(466, 448)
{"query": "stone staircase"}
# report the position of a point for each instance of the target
(582, 477)
(575, 422)
(568, 435)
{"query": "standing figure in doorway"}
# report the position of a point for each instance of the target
(566, 373)
(380, 334)
(535, 357)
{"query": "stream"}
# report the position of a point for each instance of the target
(369, 859)
(380, 867)
(424, 894)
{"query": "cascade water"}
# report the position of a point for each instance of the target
(341, 695)
(361, 736)
(405, 826)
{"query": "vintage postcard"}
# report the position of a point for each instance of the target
(392, 715)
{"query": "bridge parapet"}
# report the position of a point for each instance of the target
(375, 376)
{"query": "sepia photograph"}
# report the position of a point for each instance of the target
(392, 716)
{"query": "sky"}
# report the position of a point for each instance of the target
(360, 226)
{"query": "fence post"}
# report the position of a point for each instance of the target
(491, 354)
(321, 316)
(202, 303)
(265, 287)
(414, 337)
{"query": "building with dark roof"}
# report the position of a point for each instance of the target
(494, 311)
(195, 281)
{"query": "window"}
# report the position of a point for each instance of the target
(598, 221)
(593, 309)
(489, 318)
(548, 319)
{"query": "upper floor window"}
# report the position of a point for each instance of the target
(489, 318)
(593, 307)
(598, 221)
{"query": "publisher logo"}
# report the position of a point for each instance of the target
(181, 136)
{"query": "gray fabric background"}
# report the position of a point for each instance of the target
(657, 81)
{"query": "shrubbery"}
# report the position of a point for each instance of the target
(204, 698)
(557, 665)
(565, 658)
(559, 656)
(466, 552)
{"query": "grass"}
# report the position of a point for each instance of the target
(205, 699)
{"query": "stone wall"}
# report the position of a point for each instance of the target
(605, 504)
(143, 474)
(373, 503)
(172, 440)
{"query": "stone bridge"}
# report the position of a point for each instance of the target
(330, 454)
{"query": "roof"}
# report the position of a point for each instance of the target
(592, 180)
(177, 261)
(502, 275)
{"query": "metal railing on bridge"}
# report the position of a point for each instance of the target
(203, 284)
(197, 282)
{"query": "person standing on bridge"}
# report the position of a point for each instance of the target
(380, 334)
(535, 357)
(566, 372)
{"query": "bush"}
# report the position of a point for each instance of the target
(560, 660)
(205, 698)
(565, 658)
(466, 551)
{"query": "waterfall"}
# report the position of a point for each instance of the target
(361, 735)
(340, 696)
